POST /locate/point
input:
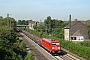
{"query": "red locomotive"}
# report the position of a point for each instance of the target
(53, 46)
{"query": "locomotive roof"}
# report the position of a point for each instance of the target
(49, 40)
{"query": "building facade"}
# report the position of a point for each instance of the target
(78, 31)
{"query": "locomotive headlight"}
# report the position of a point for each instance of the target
(59, 48)
(52, 47)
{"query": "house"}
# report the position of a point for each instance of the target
(78, 31)
(31, 24)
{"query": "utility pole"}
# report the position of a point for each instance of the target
(69, 27)
(41, 32)
(8, 20)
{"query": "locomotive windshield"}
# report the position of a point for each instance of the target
(55, 44)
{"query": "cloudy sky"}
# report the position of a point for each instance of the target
(40, 9)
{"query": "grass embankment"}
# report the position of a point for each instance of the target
(81, 49)
(76, 48)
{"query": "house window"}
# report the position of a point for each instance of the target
(73, 38)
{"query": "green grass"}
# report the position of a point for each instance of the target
(76, 48)
(33, 32)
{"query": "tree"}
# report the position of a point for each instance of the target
(19, 22)
(48, 24)
(23, 22)
(88, 25)
(27, 22)
(22, 45)
(8, 39)
(8, 34)
(54, 27)
(1, 17)
(30, 56)
(7, 54)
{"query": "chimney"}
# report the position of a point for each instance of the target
(75, 19)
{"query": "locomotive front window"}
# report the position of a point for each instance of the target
(55, 44)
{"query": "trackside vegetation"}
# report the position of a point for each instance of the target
(30, 56)
(11, 47)
(76, 48)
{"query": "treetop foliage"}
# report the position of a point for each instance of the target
(23, 22)
(51, 26)
(9, 47)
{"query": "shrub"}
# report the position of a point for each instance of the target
(76, 48)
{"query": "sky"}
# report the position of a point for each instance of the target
(40, 9)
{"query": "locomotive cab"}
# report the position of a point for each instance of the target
(53, 46)
(56, 47)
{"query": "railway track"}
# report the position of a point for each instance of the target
(69, 57)
(63, 56)
(38, 55)
(66, 56)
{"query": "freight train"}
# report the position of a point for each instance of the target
(53, 46)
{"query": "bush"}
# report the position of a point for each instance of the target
(30, 56)
(76, 48)
(85, 43)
